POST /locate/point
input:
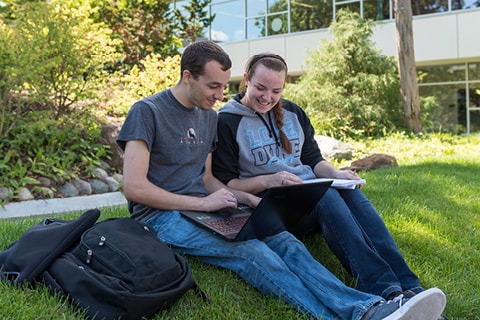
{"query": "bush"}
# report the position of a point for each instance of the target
(349, 89)
(41, 146)
(153, 75)
(58, 54)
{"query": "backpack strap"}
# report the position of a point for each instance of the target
(201, 293)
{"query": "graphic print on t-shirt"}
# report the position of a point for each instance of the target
(266, 151)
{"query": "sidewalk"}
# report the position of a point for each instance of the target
(49, 206)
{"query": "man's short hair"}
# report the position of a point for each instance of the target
(196, 55)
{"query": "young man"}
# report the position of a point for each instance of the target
(168, 139)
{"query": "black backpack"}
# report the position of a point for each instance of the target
(119, 269)
(25, 259)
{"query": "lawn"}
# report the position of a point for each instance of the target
(430, 202)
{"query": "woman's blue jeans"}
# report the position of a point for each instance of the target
(278, 266)
(357, 235)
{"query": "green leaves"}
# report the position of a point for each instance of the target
(349, 89)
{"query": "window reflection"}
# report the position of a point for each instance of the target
(456, 97)
(228, 24)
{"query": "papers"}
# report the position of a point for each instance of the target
(340, 183)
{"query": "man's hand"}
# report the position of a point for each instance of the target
(219, 199)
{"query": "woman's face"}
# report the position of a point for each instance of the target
(264, 89)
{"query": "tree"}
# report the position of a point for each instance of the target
(191, 27)
(349, 89)
(406, 66)
(143, 27)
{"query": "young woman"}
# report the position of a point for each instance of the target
(267, 141)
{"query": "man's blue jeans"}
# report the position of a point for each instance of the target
(359, 238)
(278, 266)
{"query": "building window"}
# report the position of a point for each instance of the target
(237, 20)
(456, 89)
(229, 22)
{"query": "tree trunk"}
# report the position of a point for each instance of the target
(406, 65)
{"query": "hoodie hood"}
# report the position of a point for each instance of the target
(234, 106)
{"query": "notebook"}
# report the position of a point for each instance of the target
(281, 208)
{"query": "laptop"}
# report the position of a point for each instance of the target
(281, 208)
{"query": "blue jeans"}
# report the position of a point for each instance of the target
(278, 266)
(357, 235)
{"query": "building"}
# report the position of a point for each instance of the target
(446, 43)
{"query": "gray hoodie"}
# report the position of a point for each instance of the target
(249, 143)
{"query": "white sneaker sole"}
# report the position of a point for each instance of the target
(426, 305)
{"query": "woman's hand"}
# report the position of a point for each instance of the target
(283, 178)
(347, 174)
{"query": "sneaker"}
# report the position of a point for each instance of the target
(410, 294)
(426, 305)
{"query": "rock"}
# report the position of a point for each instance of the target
(47, 192)
(83, 187)
(99, 173)
(44, 182)
(24, 194)
(375, 161)
(68, 190)
(112, 184)
(4, 192)
(334, 149)
(98, 186)
(108, 137)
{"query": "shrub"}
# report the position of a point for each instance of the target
(41, 146)
(349, 89)
(154, 75)
(58, 54)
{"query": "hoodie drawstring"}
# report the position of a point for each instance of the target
(271, 128)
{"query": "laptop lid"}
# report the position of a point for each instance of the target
(281, 208)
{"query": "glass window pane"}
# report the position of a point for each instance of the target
(277, 24)
(277, 5)
(310, 15)
(256, 28)
(473, 71)
(441, 73)
(449, 111)
(376, 9)
(353, 7)
(255, 7)
(228, 24)
(429, 6)
(465, 4)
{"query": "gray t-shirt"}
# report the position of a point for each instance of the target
(179, 141)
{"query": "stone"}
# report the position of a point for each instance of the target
(334, 149)
(99, 173)
(47, 192)
(108, 137)
(83, 187)
(98, 186)
(68, 190)
(112, 184)
(44, 182)
(375, 161)
(4, 193)
(25, 194)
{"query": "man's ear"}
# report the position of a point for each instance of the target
(186, 76)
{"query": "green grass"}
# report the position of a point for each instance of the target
(430, 202)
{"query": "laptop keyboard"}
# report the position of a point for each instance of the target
(228, 225)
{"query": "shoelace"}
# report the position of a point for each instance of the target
(398, 299)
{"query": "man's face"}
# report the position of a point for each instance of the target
(208, 88)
